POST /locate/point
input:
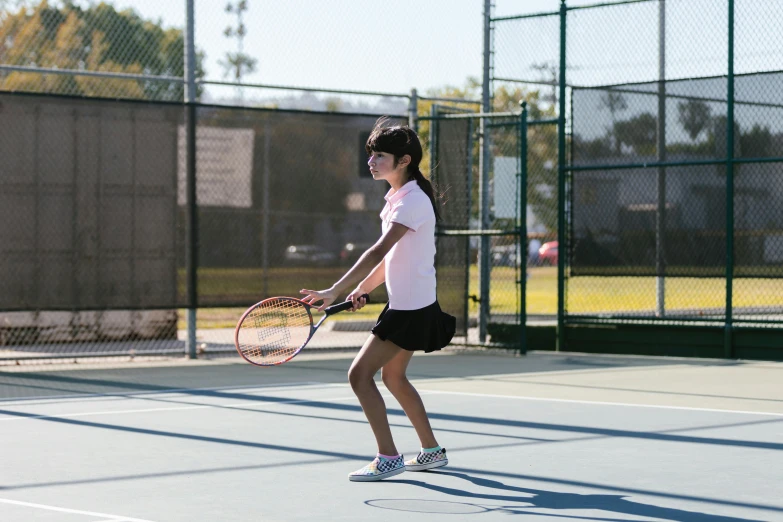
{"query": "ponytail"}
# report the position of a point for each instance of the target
(426, 186)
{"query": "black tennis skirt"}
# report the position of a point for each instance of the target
(426, 329)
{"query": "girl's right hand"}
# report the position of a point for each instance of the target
(313, 296)
(356, 299)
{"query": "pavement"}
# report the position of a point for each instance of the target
(327, 337)
(544, 437)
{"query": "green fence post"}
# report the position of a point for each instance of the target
(561, 176)
(523, 228)
(191, 113)
(728, 348)
(469, 205)
(191, 253)
(434, 114)
(413, 111)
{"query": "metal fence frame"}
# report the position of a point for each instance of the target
(519, 231)
(566, 171)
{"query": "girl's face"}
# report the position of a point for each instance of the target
(382, 166)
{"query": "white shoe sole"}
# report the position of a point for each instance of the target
(373, 478)
(424, 467)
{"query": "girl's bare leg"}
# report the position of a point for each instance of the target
(397, 383)
(373, 356)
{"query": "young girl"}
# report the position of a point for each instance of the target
(403, 258)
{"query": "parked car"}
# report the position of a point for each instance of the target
(547, 254)
(504, 255)
(351, 252)
(309, 255)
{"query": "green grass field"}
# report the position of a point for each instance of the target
(586, 295)
(591, 295)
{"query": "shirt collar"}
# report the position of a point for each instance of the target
(393, 196)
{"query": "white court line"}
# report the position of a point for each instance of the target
(132, 393)
(240, 405)
(603, 403)
(115, 518)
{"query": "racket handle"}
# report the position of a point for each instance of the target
(344, 306)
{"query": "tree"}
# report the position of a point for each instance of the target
(96, 38)
(591, 149)
(716, 136)
(615, 102)
(237, 64)
(551, 75)
(542, 142)
(638, 132)
(757, 142)
(694, 115)
(717, 140)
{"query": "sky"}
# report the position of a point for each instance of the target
(372, 45)
(394, 46)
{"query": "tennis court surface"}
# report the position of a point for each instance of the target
(545, 436)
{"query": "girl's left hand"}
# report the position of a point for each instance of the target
(356, 298)
(313, 296)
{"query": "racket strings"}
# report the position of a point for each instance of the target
(274, 331)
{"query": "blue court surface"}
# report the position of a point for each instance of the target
(543, 437)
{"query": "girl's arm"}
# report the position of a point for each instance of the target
(364, 266)
(372, 281)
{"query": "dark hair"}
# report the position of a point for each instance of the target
(399, 140)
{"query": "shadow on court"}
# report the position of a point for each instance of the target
(521, 501)
(23, 383)
(527, 499)
(318, 422)
(392, 413)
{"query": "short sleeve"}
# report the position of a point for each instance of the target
(385, 212)
(409, 212)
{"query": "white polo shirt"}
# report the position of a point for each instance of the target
(410, 264)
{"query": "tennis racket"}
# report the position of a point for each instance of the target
(276, 329)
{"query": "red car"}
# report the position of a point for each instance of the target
(547, 254)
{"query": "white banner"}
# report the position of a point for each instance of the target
(224, 167)
(504, 187)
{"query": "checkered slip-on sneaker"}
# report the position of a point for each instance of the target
(424, 461)
(379, 469)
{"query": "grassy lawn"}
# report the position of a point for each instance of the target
(599, 294)
(228, 317)
(248, 285)
(586, 295)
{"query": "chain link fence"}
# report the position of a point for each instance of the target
(655, 162)
(455, 160)
(674, 131)
(616, 205)
(88, 49)
(96, 254)
(94, 217)
(247, 53)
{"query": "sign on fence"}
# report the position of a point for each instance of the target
(224, 164)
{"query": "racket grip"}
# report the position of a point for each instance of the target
(331, 310)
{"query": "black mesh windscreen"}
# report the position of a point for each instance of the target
(452, 170)
(93, 203)
(452, 175)
(616, 212)
(285, 202)
(88, 204)
(451, 263)
(758, 220)
(619, 125)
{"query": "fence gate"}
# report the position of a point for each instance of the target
(480, 262)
